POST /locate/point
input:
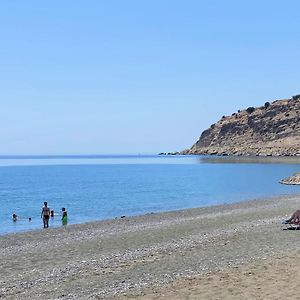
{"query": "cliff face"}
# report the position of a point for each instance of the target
(273, 129)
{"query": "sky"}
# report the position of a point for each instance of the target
(137, 77)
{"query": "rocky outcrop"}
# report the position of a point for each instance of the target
(293, 180)
(270, 130)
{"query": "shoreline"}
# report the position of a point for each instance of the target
(152, 254)
(166, 212)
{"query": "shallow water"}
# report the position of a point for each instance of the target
(101, 187)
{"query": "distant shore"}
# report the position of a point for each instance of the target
(156, 256)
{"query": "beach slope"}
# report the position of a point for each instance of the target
(234, 251)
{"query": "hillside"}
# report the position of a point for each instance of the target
(273, 130)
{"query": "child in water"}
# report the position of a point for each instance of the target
(64, 217)
(16, 218)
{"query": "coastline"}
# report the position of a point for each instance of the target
(149, 256)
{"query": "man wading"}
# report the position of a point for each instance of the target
(45, 215)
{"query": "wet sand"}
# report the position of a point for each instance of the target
(237, 251)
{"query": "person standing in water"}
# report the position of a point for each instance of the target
(45, 214)
(64, 218)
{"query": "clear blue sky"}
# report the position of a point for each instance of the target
(137, 76)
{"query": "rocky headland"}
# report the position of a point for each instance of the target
(270, 130)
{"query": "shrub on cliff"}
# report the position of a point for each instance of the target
(250, 110)
(296, 97)
(267, 104)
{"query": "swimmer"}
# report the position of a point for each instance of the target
(14, 217)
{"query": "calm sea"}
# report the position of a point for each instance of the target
(103, 187)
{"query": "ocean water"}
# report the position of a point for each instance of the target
(104, 187)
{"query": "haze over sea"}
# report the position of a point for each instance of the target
(103, 187)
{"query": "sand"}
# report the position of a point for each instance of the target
(238, 251)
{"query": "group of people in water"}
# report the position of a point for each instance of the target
(46, 214)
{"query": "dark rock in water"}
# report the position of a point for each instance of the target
(269, 130)
(169, 153)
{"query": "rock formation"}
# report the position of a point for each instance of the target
(293, 180)
(270, 130)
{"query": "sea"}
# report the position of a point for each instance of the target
(99, 187)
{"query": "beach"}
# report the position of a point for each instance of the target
(236, 251)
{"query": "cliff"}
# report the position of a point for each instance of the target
(273, 130)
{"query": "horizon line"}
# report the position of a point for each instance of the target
(36, 156)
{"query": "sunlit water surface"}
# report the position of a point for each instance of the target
(103, 187)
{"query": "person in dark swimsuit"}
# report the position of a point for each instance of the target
(14, 217)
(45, 214)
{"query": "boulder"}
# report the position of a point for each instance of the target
(293, 180)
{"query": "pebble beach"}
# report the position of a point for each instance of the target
(237, 251)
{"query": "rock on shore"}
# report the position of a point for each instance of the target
(270, 130)
(293, 180)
